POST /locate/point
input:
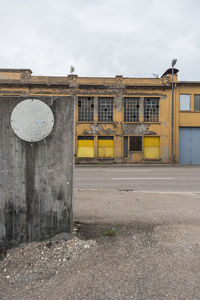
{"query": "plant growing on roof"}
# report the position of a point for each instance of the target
(72, 69)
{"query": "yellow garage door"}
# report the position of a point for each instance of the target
(151, 147)
(85, 146)
(105, 147)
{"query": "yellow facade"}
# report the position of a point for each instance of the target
(119, 128)
(119, 145)
(185, 119)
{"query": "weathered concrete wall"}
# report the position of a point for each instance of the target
(36, 179)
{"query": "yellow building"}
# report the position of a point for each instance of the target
(122, 119)
(187, 122)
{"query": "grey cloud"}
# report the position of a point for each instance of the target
(100, 37)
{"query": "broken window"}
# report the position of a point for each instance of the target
(196, 102)
(135, 143)
(151, 109)
(85, 109)
(105, 109)
(185, 102)
(131, 109)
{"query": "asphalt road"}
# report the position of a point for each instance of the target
(143, 179)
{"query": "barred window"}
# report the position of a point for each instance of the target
(135, 143)
(151, 109)
(105, 109)
(131, 109)
(196, 102)
(85, 109)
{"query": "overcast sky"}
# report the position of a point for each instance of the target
(101, 37)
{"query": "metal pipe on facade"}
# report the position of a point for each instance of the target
(172, 131)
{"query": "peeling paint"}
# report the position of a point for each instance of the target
(150, 133)
(118, 103)
(98, 129)
(136, 129)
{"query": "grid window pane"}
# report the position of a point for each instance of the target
(131, 109)
(135, 143)
(184, 102)
(103, 137)
(85, 109)
(151, 109)
(196, 102)
(83, 138)
(105, 109)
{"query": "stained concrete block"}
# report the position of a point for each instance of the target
(36, 179)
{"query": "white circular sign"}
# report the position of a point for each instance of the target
(32, 120)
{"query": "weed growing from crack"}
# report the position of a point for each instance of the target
(110, 232)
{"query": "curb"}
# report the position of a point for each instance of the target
(127, 165)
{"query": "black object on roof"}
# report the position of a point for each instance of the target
(169, 71)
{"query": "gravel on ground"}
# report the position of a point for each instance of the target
(126, 245)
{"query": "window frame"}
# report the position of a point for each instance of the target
(128, 114)
(198, 104)
(101, 117)
(155, 116)
(181, 109)
(141, 142)
(127, 138)
(125, 146)
(86, 119)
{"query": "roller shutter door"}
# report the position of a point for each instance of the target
(85, 147)
(189, 145)
(151, 146)
(105, 147)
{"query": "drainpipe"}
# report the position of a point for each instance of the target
(172, 133)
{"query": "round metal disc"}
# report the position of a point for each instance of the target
(32, 120)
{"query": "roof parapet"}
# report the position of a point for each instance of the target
(15, 74)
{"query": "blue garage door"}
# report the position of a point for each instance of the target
(189, 145)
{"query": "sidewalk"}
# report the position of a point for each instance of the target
(108, 165)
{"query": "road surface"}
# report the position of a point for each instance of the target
(143, 179)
